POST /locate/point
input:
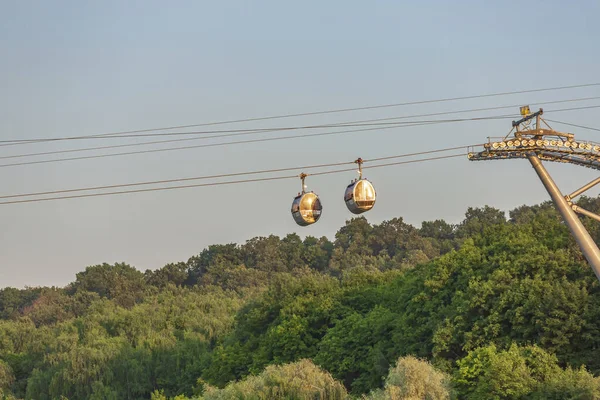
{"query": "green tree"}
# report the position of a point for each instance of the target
(13, 301)
(297, 381)
(412, 379)
(6, 376)
(52, 306)
(119, 282)
(284, 324)
(478, 219)
(521, 373)
(176, 274)
(488, 374)
(225, 256)
(357, 349)
(317, 252)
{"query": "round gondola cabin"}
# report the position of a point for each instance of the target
(360, 195)
(306, 207)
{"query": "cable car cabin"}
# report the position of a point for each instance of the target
(306, 208)
(360, 196)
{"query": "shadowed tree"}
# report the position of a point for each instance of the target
(119, 282)
(478, 219)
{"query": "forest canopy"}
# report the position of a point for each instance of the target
(495, 307)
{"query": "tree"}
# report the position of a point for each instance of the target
(357, 348)
(441, 233)
(13, 301)
(119, 282)
(299, 380)
(488, 374)
(521, 372)
(6, 376)
(52, 306)
(176, 274)
(413, 379)
(283, 324)
(265, 254)
(224, 255)
(317, 252)
(478, 219)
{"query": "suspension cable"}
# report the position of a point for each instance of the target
(256, 131)
(265, 171)
(37, 140)
(219, 183)
(391, 126)
(575, 125)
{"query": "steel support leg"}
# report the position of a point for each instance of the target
(583, 189)
(585, 212)
(584, 240)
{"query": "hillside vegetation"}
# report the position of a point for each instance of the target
(496, 307)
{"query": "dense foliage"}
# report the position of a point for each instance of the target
(502, 308)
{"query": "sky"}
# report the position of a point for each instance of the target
(71, 68)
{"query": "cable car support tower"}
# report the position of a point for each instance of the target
(545, 144)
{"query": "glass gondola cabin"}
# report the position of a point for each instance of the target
(306, 208)
(360, 196)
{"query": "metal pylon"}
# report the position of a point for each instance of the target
(546, 144)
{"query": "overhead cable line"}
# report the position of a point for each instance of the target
(38, 140)
(262, 131)
(403, 125)
(227, 132)
(228, 175)
(235, 132)
(393, 125)
(221, 183)
(570, 124)
(388, 164)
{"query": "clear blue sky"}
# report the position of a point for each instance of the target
(77, 68)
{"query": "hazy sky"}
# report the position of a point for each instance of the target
(81, 67)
